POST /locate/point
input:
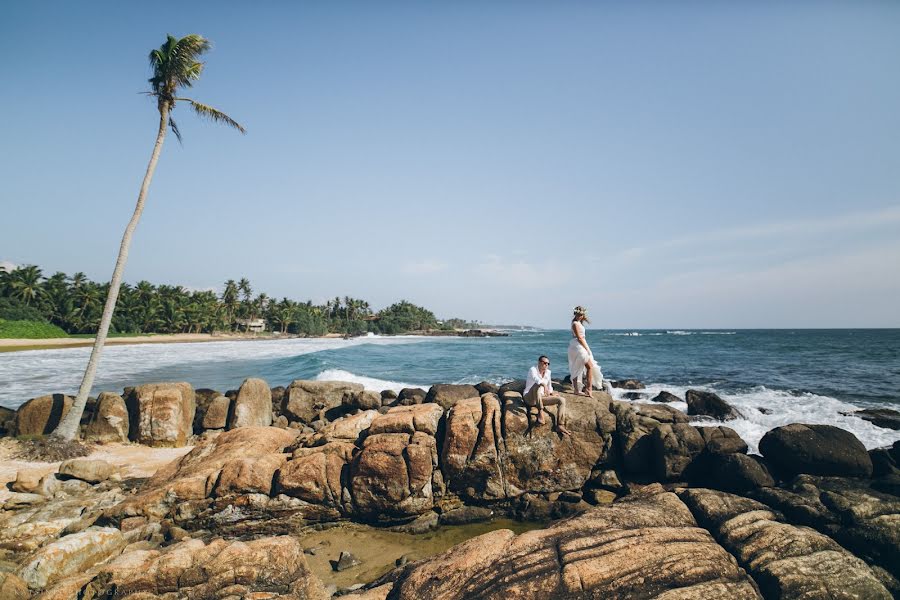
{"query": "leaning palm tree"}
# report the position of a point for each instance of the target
(175, 65)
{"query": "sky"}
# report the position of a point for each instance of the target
(667, 165)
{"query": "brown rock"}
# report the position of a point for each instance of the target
(722, 440)
(71, 554)
(447, 395)
(786, 561)
(408, 419)
(249, 475)
(86, 469)
(27, 481)
(161, 414)
(651, 544)
(13, 588)
(364, 400)
(316, 475)
(216, 416)
(194, 475)
(308, 401)
(109, 422)
(410, 396)
(253, 405)
(474, 449)
(40, 416)
(203, 397)
(634, 427)
(675, 446)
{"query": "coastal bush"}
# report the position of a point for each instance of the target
(14, 310)
(32, 330)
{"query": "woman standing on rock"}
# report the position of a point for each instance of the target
(582, 366)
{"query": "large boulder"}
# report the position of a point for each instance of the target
(675, 446)
(319, 475)
(40, 416)
(738, 473)
(447, 394)
(722, 440)
(309, 401)
(71, 554)
(395, 475)
(474, 450)
(409, 396)
(109, 422)
(880, 417)
(710, 405)
(364, 400)
(648, 547)
(634, 428)
(665, 396)
(786, 561)
(253, 405)
(271, 567)
(248, 475)
(7, 421)
(193, 477)
(815, 449)
(161, 414)
(216, 415)
(203, 397)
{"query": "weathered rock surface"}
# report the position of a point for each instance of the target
(408, 396)
(665, 396)
(161, 414)
(628, 384)
(364, 400)
(308, 401)
(722, 440)
(253, 405)
(675, 447)
(785, 560)
(709, 404)
(193, 476)
(447, 395)
(634, 428)
(648, 547)
(13, 588)
(319, 475)
(815, 449)
(203, 397)
(738, 473)
(7, 421)
(86, 469)
(109, 421)
(40, 416)
(881, 417)
(70, 555)
(271, 568)
(863, 520)
(216, 416)
(486, 387)
(248, 475)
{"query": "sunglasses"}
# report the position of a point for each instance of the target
(545, 362)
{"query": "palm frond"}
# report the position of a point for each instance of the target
(213, 114)
(175, 130)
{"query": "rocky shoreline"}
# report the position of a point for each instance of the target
(639, 502)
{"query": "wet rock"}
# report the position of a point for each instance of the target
(345, 561)
(421, 524)
(216, 416)
(628, 384)
(815, 449)
(466, 514)
(71, 554)
(446, 395)
(786, 561)
(308, 401)
(40, 416)
(161, 414)
(709, 404)
(109, 422)
(253, 405)
(881, 417)
(86, 469)
(665, 396)
(409, 396)
(607, 552)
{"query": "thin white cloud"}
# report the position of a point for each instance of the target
(5, 265)
(424, 267)
(521, 274)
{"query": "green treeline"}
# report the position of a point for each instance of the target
(74, 304)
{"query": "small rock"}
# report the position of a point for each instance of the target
(709, 404)
(27, 481)
(388, 396)
(345, 561)
(402, 561)
(312, 550)
(600, 496)
(628, 384)
(466, 514)
(86, 469)
(571, 496)
(665, 396)
(880, 417)
(19, 500)
(486, 387)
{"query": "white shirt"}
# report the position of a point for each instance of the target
(534, 378)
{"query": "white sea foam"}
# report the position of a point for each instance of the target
(783, 408)
(32, 373)
(370, 383)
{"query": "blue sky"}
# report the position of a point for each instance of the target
(690, 164)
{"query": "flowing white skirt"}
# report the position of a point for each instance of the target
(578, 360)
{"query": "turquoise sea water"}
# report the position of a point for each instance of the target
(772, 376)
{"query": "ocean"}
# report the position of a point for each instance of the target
(773, 377)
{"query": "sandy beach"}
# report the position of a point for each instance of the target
(12, 345)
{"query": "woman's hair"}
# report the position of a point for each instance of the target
(579, 311)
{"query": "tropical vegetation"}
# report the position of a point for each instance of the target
(72, 304)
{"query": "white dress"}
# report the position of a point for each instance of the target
(578, 360)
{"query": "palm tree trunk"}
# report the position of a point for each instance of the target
(68, 426)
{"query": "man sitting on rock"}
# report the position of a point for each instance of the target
(539, 392)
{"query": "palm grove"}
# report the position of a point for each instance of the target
(75, 304)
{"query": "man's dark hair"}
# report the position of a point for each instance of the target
(542, 357)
